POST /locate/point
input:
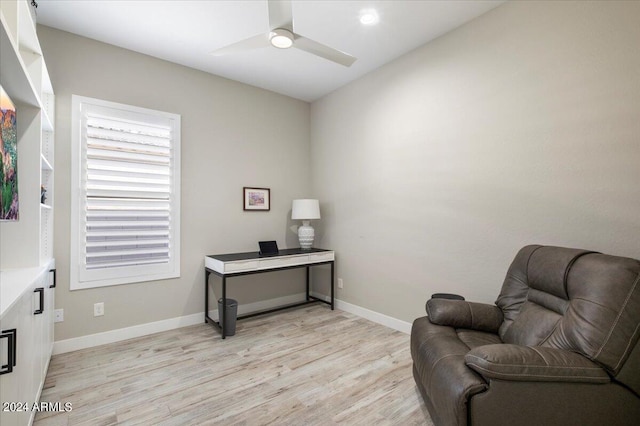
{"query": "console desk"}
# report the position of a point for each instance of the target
(237, 264)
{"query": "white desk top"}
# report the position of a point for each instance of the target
(252, 261)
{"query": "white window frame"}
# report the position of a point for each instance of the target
(80, 276)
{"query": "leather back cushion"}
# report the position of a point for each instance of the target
(573, 299)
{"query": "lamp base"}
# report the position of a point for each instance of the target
(306, 234)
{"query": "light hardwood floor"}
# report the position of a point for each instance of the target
(305, 366)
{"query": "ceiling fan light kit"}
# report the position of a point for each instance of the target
(281, 38)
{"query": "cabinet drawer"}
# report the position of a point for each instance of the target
(282, 262)
(321, 257)
(240, 266)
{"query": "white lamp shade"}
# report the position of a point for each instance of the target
(305, 209)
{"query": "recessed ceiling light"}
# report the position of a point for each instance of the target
(280, 38)
(369, 17)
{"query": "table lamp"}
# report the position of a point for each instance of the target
(305, 210)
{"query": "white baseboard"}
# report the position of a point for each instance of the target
(83, 342)
(89, 341)
(374, 316)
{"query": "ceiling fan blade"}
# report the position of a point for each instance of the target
(323, 51)
(280, 14)
(251, 43)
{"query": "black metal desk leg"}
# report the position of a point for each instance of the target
(332, 297)
(307, 268)
(206, 295)
(223, 315)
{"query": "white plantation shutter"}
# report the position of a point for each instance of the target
(128, 197)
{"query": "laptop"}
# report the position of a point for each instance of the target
(268, 248)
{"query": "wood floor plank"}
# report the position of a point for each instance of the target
(310, 366)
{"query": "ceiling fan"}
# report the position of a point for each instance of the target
(282, 36)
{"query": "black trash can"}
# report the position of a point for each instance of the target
(230, 314)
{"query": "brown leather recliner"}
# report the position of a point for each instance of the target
(559, 348)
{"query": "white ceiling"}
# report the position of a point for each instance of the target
(187, 31)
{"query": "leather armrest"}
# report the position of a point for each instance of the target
(463, 314)
(533, 364)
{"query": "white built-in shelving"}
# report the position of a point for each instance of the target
(27, 267)
(24, 77)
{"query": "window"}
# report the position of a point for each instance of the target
(125, 194)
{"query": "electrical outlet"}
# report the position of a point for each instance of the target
(98, 309)
(340, 283)
(59, 315)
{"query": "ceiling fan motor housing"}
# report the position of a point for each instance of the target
(281, 38)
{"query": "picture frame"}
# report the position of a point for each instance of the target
(256, 199)
(9, 203)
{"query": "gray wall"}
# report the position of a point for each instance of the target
(233, 135)
(519, 127)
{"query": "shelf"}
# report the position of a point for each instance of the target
(46, 121)
(9, 13)
(48, 104)
(46, 81)
(44, 163)
(27, 36)
(14, 77)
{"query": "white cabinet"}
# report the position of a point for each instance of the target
(26, 322)
(24, 77)
(11, 383)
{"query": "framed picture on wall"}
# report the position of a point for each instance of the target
(256, 199)
(8, 159)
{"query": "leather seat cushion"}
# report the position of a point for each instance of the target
(473, 338)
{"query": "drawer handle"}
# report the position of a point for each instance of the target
(41, 291)
(11, 335)
(54, 278)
